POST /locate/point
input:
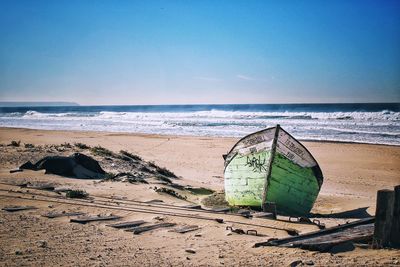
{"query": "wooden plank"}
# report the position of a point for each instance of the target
(263, 215)
(315, 233)
(154, 201)
(195, 207)
(395, 231)
(16, 170)
(326, 242)
(185, 228)
(127, 224)
(86, 219)
(18, 208)
(140, 229)
(52, 215)
(46, 187)
(245, 213)
(383, 214)
(221, 210)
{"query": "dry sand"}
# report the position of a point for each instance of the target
(353, 173)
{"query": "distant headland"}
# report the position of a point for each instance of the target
(35, 104)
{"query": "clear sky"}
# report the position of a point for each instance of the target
(177, 52)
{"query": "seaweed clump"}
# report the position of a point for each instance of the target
(215, 200)
(101, 151)
(15, 143)
(81, 145)
(128, 156)
(77, 194)
(170, 192)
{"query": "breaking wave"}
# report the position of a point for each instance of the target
(377, 126)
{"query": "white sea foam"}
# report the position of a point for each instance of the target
(369, 127)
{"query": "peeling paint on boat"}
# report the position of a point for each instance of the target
(272, 166)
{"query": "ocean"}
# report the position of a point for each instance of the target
(376, 123)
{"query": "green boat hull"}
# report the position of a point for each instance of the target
(275, 168)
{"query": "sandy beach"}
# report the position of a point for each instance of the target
(352, 175)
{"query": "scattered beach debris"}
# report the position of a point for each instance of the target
(93, 203)
(215, 201)
(185, 229)
(324, 240)
(141, 229)
(18, 208)
(126, 177)
(77, 194)
(101, 151)
(170, 192)
(281, 170)
(221, 210)
(123, 166)
(191, 251)
(77, 165)
(159, 218)
(52, 215)
(306, 220)
(268, 215)
(15, 143)
(37, 185)
(42, 244)
(245, 213)
(296, 263)
(154, 201)
(16, 170)
(129, 156)
(194, 207)
(86, 219)
(241, 231)
(130, 224)
(199, 190)
(29, 145)
(81, 146)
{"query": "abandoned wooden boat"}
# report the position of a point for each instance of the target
(271, 166)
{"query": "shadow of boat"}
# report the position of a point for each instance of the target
(359, 213)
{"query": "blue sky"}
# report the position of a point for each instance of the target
(185, 52)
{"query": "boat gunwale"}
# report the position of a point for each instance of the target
(241, 139)
(269, 128)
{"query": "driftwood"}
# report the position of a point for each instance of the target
(18, 208)
(154, 201)
(46, 187)
(140, 229)
(52, 215)
(324, 232)
(86, 219)
(268, 215)
(16, 170)
(222, 210)
(185, 228)
(195, 207)
(361, 233)
(127, 224)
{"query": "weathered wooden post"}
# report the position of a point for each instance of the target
(383, 218)
(395, 231)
